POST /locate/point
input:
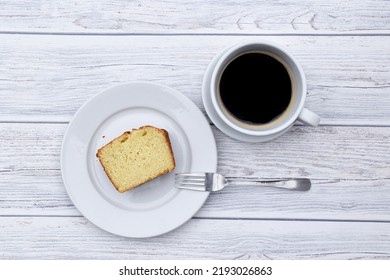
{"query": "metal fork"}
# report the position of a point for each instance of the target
(212, 182)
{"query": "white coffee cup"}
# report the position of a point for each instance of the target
(241, 130)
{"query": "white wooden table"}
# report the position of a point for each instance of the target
(55, 55)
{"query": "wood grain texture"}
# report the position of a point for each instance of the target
(76, 238)
(349, 167)
(169, 16)
(47, 78)
(55, 55)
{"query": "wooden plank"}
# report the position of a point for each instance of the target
(76, 238)
(47, 78)
(349, 167)
(34, 193)
(169, 16)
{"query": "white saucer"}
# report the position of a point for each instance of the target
(213, 115)
(157, 206)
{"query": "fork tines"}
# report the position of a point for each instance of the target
(193, 181)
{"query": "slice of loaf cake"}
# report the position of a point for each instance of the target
(136, 157)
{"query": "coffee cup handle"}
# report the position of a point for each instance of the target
(309, 118)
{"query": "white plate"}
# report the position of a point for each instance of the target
(157, 206)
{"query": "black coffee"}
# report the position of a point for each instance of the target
(255, 88)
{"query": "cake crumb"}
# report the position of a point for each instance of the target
(136, 157)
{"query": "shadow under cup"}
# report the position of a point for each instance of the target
(279, 122)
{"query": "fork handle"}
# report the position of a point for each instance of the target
(290, 184)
